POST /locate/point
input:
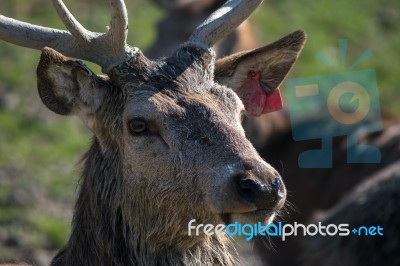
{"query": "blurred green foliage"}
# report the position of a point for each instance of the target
(39, 150)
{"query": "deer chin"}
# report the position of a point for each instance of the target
(263, 216)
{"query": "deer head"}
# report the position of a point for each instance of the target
(169, 146)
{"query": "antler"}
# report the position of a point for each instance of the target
(105, 49)
(223, 21)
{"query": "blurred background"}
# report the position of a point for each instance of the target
(40, 151)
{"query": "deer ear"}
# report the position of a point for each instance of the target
(255, 75)
(67, 86)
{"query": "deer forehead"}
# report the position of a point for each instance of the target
(215, 101)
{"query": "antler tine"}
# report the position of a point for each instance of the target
(119, 24)
(105, 49)
(73, 26)
(223, 21)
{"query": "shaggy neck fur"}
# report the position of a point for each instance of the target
(101, 236)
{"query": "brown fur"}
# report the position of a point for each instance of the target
(312, 190)
(374, 202)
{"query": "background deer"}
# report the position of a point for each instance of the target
(373, 202)
(165, 133)
(318, 190)
(182, 17)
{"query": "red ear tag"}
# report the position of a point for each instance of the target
(254, 98)
(273, 102)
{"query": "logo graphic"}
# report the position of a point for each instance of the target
(340, 104)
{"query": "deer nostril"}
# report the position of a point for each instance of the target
(249, 189)
(263, 196)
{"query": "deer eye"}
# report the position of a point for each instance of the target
(137, 126)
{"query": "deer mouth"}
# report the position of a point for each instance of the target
(252, 217)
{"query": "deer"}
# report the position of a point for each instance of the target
(181, 19)
(372, 203)
(168, 145)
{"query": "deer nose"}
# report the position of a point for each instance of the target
(264, 196)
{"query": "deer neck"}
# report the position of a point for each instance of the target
(101, 236)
